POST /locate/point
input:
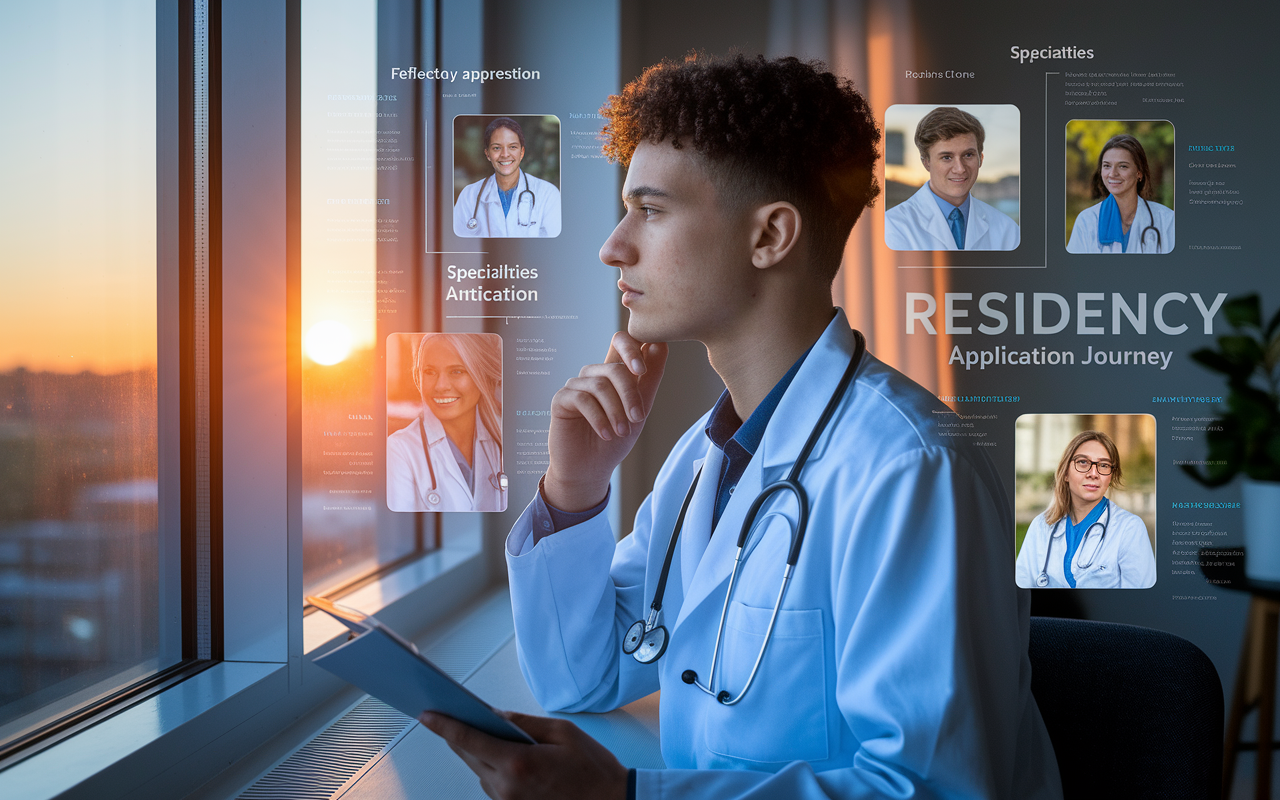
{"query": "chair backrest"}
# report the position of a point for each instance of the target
(1132, 712)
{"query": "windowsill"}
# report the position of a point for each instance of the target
(160, 730)
(171, 743)
(381, 596)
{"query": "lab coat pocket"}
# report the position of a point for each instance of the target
(783, 716)
(1098, 576)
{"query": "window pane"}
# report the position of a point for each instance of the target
(357, 219)
(84, 606)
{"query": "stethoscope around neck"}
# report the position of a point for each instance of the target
(524, 210)
(646, 640)
(1142, 237)
(1043, 579)
(498, 480)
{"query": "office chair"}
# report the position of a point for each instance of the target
(1132, 712)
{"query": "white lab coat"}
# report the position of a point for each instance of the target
(918, 224)
(544, 221)
(1125, 560)
(898, 665)
(409, 478)
(1084, 233)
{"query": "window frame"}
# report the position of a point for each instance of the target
(181, 734)
(178, 167)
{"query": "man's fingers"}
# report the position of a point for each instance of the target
(609, 381)
(544, 730)
(586, 405)
(655, 354)
(481, 746)
(625, 349)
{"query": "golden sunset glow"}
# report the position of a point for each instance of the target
(328, 342)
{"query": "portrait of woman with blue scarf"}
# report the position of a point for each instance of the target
(1084, 540)
(1127, 220)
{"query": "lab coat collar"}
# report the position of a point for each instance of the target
(697, 523)
(788, 428)
(490, 193)
(807, 395)
(486, 449)
(706, 556)
(436, 434)
(931, 218)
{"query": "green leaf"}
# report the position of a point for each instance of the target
(1214, 361)
(1244, 311)
(1243, 351)
(1273, 324)
(1273, 356)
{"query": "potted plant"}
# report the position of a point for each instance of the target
(1245, 437)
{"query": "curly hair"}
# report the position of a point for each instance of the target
(781, 129)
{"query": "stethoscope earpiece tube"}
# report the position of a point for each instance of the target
(498, 481)
(1042, 579)
(522, 219)
(646, 640)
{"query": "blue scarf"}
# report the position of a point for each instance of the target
(1075, 535)
(1110, 228)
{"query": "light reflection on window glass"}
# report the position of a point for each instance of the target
(84, 607)
(347, 529)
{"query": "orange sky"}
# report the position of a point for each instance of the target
(78, 210)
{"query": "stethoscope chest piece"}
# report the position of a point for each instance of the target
(652, 645)
(433, 498)
(646, 639)
(472, 224)
(634, 635)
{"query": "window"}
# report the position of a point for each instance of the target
(362, 281)
(104, 560)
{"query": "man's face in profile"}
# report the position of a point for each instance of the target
(953, 166)
(684, 258)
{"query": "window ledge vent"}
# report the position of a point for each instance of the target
(338, 756)
(324, 766)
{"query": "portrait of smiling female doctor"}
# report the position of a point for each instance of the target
(449, 458)
(1085, 540)
(510, 203)
(1127, 221)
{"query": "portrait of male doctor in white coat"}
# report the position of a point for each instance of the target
(897, 664)
(449, 456)
(508, 202)
(943, 214)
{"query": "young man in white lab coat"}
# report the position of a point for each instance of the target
(944, 214)
(898, 663)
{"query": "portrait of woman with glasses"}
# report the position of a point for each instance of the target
(1084, 540)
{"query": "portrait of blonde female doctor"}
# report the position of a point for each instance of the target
(507, 202)
(449, 457)
(1084, 540)
(1127, 220)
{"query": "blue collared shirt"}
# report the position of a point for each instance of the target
(945, 207)
(739, 440)
(505, 196)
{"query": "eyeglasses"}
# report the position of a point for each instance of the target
(1082, 464)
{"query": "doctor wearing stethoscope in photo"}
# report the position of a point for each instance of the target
(1083, 540)
(1126, 221)
(449, 458)
(510, 202)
